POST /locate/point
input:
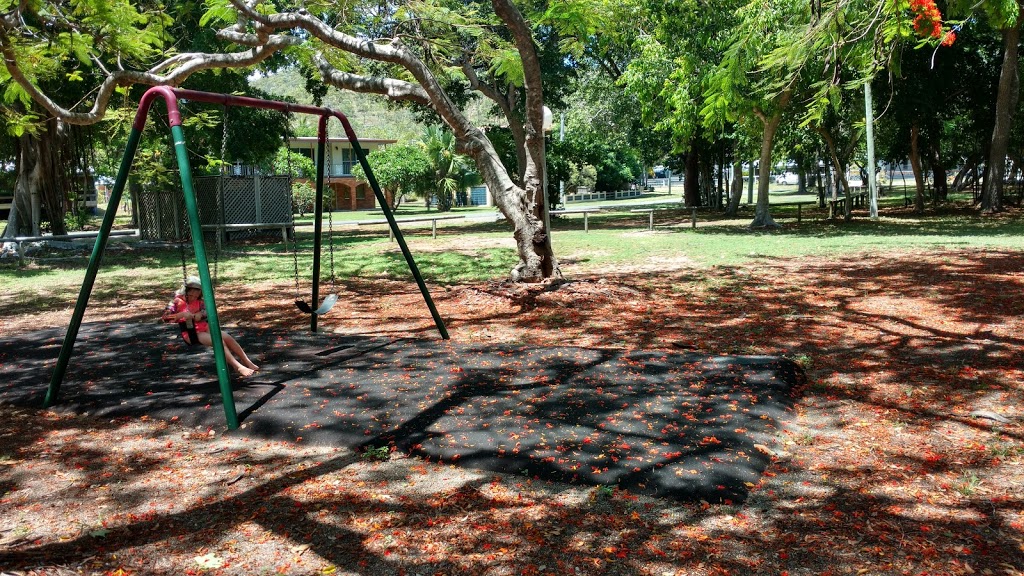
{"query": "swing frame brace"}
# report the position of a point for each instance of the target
(171, 96)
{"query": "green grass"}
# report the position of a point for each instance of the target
(481, 249)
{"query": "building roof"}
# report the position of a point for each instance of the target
(340, 139)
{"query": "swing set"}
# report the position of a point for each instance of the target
(171, 97)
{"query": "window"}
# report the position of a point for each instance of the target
(346, 161)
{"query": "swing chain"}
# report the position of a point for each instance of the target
(330, 239)
(184, 267)
(220, 190)
(291, 194)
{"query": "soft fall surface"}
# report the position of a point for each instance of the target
(902, 455)
(671, 424)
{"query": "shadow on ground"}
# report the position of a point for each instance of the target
(679, 425)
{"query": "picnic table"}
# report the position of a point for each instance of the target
(585, 211)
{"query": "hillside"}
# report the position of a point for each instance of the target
(371, 117)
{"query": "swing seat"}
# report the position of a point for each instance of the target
(324, 308)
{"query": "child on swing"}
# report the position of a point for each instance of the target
(189, 311)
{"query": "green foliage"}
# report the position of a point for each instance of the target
(378, 453)
(294, 164)
(508, 65)
(612, 165)
(371, 117)
(76, 219)
(751, 74)
(304, 198)
(453, 173)
(584, 176)
(401, 170)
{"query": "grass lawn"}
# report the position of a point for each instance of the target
(903, 454)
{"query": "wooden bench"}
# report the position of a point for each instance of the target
(432, 219)
(222, 229)
(19, 241)
(585, 211)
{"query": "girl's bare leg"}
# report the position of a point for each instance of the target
(229, 357)
(236, 349)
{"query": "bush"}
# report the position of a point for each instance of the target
(75, 220)
(304, 198)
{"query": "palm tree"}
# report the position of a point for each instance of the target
(453, 172)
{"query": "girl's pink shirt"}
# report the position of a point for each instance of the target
(179, 304)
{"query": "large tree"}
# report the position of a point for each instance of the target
(745, 90)
(430, 53)
(939, 106)
(1006, 17)
(669, 72)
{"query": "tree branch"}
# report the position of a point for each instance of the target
(389, 87)
(181, 66)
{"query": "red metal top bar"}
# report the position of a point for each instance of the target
(171, 96)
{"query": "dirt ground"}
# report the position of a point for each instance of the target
(904, 454)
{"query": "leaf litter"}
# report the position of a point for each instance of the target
(886, 469)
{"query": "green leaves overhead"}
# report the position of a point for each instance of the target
(217, 11)
(507, 64)
(57, 42)
(577, 22)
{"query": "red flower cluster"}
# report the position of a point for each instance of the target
(927, 18)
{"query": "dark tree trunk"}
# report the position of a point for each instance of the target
(1006, 102)
(42, 175)
(915, 165)
(691, 180)
(839, 165)
(939, 178)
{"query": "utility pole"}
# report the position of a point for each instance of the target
(561, 138)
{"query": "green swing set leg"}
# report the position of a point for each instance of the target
(318, 211)
(197, 241)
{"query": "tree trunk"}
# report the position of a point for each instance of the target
(691, 179)
(941, 192)
(915, 165)
(737, 189)
(40, 175)
(1006, 102)
(750, 184)
(838, 164)
(762, 212)
(825, 185)
(519, 206)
